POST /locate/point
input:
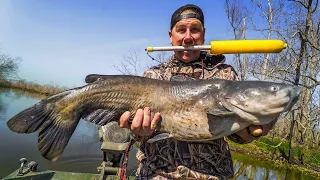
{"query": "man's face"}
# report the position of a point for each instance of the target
(187, 32)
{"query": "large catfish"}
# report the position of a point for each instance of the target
(196, 110)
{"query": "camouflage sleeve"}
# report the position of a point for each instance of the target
(228, 72)
(152, 73)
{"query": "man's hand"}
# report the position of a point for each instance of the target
(253, 132)
(143, 125)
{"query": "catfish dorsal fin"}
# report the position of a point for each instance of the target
(95, 77)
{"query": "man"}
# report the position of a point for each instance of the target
(170, 159)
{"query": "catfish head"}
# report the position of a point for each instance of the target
(259, 102)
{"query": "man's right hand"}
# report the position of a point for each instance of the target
(142, 125)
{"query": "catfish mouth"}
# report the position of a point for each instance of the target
(258, 117)
(264, 112)
(252, 118)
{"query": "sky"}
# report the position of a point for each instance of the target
(60, 42)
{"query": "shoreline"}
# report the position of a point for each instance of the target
(31, 87)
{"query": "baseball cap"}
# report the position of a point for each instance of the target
(177, 17)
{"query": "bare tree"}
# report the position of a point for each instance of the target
(131, 64)
(303, 67)
(8, 66)
(236, 14)
(269, 11)
(161, 57)
(297, 23)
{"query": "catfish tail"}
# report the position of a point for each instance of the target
(55, 128)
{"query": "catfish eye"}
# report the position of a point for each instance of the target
(274, 88)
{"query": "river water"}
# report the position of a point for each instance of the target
(83, 153)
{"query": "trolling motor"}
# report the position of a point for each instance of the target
(230, 47)
(115, 141)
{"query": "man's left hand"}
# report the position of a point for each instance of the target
(253, 132)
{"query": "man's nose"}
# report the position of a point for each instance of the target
(188, 39)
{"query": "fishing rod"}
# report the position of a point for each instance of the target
(230, 47)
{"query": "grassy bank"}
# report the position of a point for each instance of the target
(32, 87)
(275, 152)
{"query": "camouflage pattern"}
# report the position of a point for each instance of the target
(172, 159)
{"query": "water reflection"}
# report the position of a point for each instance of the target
(83, 153)
(247, 167)
(17, 94)
(3, 110)
(246, 171)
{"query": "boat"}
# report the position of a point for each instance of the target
(115, 147)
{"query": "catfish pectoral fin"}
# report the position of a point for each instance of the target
(159, 137)
(101, 116)
(220, 112)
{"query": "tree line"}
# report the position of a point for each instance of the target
(296, 22)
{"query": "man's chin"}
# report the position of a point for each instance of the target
(186, 57)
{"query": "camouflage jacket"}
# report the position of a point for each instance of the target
(172, 159)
